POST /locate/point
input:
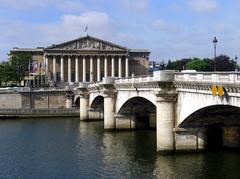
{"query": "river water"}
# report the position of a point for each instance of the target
(68, 148)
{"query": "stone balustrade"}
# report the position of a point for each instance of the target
(208, 77)
(172, 76)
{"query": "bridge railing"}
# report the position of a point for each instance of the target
(169, 76)
(216, 77)
(135, 79)
(117, 80)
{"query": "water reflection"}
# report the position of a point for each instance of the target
(72, 149)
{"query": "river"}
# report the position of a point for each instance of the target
(68, 148)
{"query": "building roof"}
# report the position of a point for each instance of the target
(82, 43)
(16, 49)
(139, 50)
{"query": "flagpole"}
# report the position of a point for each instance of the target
(29, 71)
(86, 28)
(41, 77)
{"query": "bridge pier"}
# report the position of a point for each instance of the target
(84, 102)
(69, 97)
(95, 114)
(69, 101)
(165, 122)
(109, 94)
(125, 122)
(109, 111)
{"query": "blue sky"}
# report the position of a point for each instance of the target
(169, 29)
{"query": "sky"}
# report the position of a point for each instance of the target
(169, 29)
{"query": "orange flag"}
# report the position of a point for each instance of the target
(220, 90)
(214, 90)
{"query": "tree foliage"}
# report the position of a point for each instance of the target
(223, 63)
(178, 64)
(16, 69)
(20, 64)
(200, 65)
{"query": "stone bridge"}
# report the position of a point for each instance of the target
(182, 107)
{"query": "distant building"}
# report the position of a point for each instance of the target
(154, 66)
(88, 59)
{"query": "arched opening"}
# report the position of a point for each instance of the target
(77, 102)
(221, 124)
(98, 103)
(141, 112)
(96, 110)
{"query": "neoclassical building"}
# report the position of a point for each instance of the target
(88, 59)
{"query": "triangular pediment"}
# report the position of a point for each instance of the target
(87, 43)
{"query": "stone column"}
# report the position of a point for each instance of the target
(120, 67)
(165, 122)
(91, 69)
(98, 69)
(76, 69)
(84, 102)
(54, 69)
(69, 96)
(62, 69)
(113, 67)
(69, 70)
(46, 66)
(84, 69)
(105, 67)
(126, 67)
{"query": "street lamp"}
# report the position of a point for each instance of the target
(215, 47)
(236, 58)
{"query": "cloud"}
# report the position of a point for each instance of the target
(72, 26)
(68, 27)
(138, 5)
(163, 25)
(203, 6)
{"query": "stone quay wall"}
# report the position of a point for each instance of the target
(26, 98)
(36, 102)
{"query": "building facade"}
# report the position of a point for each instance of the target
(88, 59)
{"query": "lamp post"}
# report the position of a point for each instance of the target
(236, 58)
(215, 48)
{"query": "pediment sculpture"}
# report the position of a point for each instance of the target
(87, 44)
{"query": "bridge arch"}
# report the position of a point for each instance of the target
(96, 108)
(76, 101)
(97, 103)
(188, 103)
(220, 123)
(124, 96)
(226, 115)
(142, 110)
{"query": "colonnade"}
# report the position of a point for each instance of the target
(108, 63)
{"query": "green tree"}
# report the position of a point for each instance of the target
(6, 73)
(178, 64)
(20, 65)
(171, 65)
(199, 65)
(224, 63)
